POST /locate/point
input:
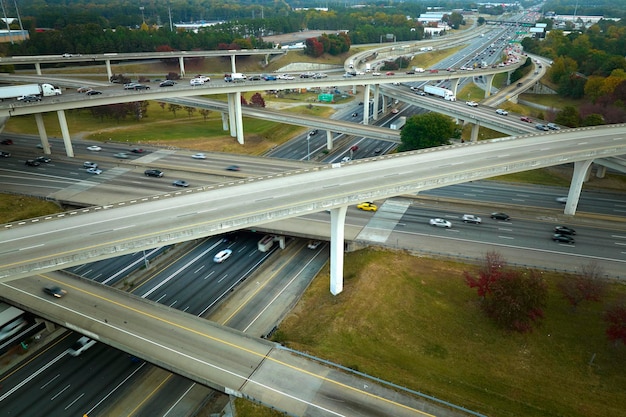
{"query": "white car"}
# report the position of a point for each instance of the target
(199, 156)
(221, 256)
(314, 244)
(95, 171)
(419, 70)
(81, 345)
(376, 74)
(470, 218)
(471, 103)
(196, 82)
(502, 112)
(440, 223)
(346, 159)
(285, 77)
(94, 148)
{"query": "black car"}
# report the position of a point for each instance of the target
(168, 83)
(141, 87)
(6, 142)
(32, 163)
(54, 291)
(4, 154)
(137, 150)
(153, 173)
(42, 159)
(564, 230)
(93, 92)
(28, 99)
(500, 216)
(558, 237)
(180, 183)
(313, 132)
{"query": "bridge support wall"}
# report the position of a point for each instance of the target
(38, 68)
(107, 63)
(366, 106)
(488, 84)
(475, 130)
(43, 135)
(329, 140)
(67, 141)
(580, 175)
(181, 66)
(238, 118)
(337, 224)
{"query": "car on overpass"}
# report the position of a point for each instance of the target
(502, 112)
(440, 223)
(367, 206)
(55, 291)
(153, 173)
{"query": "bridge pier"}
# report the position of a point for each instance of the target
(224, 121)
(377, 97)
(366, 105)
(454, 84)
(580, 175)
(475, 129)
(231, 114)
(238, 118)
(107, 63)
(329, 140)
(232, 64)
(67, 141)
(488, 84)
(600, 171)
(181, 66)
(43, 135)
(38, 68)
(337, 224)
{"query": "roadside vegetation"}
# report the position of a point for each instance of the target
(415, 322)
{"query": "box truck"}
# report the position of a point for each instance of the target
(398, 123)
(440, 92)
(39, 90)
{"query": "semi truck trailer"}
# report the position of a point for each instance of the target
(440, 92)
(40, 90)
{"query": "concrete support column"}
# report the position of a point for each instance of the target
(508, 77)
(38, 68)
(600, 171)
(231, 114)
(232, 64)
(42, 133)
(266, 61)
(107, 63)
(337, 224)
(366, 104)
(454, 84)
(488, 84)
(69, 151)
(475, 129)
(181, 66)
(329, 140)
(224, 121)
(383, 103)
(239, 117)
(3, 122)
(376, 104)
(581, 171)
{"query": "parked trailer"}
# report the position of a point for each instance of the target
(15, 91)
(398, 123)
(440, 92)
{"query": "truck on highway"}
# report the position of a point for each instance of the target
(440, 92)
(21, 91)
(368, 67)
(235, 77)
(398, 123)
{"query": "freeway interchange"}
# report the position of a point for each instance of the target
(527, 232)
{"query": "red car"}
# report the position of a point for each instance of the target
(433, 71)
(7, 142)
(526, 119)
(390, 73)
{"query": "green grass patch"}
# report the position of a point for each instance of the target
(471, 92)
(18, 207)
(413, 321)
(430, 59)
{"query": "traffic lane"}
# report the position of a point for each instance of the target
(523, 232)
(607, 202)
(111, 271)
(266, 301)
(217, 280)
(194, 346)
(56, 383)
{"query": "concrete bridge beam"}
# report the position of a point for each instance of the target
(337, 224)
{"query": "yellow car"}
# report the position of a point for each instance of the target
(367, 206)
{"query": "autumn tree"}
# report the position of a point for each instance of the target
(190, 110)
(427, 130)
(512, 299)
(205, 114)
(313, 48)
(615, 317)
(257, 100)
(588, 285)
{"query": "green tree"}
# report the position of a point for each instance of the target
(174, 108)
(593, 119)
(568, 117)
(427, 130)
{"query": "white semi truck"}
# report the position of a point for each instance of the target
(440, 92)
(15, 91)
